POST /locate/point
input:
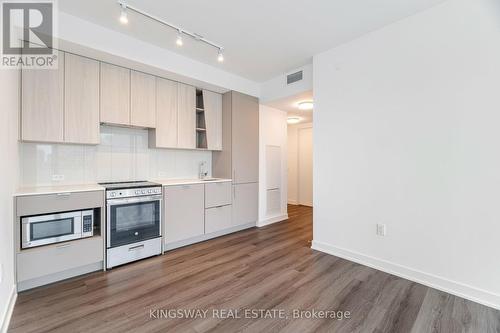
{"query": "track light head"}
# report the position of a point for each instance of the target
(123, 15)
(220, 56)
(179, 41)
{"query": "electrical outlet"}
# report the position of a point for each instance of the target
(381, 229)
(57, 178)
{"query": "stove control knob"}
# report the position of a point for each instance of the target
(112, 194)
(143, 191)
(138, 192)
(150, 191)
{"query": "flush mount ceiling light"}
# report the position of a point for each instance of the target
(179, 42)
(293, 120)
(306, 105)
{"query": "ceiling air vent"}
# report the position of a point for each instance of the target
(294, 77)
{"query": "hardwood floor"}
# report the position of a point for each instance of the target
(267, 268)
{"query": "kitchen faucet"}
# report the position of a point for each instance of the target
(202, 171)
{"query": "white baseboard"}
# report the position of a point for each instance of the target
(292, 202)
(272, 220)
(10, 308)
(452, 287)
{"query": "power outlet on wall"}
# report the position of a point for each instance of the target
(57, 178)
(381, 229)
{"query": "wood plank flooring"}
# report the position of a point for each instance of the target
(267, 268)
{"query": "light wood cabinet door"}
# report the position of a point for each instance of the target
(166, 114)
(42, 117)
(142, 100)
(245, 138)
(184, 212)
(186, 116)
(245, 203)
(115, 94)
(213, 119)
(217, 219)
(81, 100)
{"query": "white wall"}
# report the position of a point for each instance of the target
(407, 134)
(85, 33)
(9, 106)
(122, 155)
(272, 132)
(293, 162)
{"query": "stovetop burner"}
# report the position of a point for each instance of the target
(127, 185)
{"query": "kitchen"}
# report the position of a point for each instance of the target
(122, 217)
(218, 167)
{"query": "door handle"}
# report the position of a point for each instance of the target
(65, 194)
(63, 246)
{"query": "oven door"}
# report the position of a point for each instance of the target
(49, 229)
(133, 220)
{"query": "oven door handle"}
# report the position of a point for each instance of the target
(111, 202)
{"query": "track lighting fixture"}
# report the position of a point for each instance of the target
(180, 32)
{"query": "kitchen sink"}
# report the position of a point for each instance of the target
(209, 179)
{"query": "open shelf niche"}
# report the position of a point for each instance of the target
(201, 127)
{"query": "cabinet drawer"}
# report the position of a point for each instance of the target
(62, 202)
(217, 194)
(217, 218)
(34, 263)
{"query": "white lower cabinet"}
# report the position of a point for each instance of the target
(184, 212)
(198, 212)
(217, 218)
(245, 203)
(52, 259)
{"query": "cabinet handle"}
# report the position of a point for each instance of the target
(234, 175)
(65, 194)
(63, 246)
(234, 192)
(136, 247)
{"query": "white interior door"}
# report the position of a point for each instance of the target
(305, 172)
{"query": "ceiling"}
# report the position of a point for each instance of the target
(261, 38)
(289, 104)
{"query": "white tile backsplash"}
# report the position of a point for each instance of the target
(122, 155)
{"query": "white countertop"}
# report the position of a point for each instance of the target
(171, 182)
(36, 190)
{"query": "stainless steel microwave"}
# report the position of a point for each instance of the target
(54, 228)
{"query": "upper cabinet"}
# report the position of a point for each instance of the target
(42, 105)
(68, 105)
(213, 119)
(186, 100)
(81, 100)
(115, 94)
(142, 100)
(165, 133)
